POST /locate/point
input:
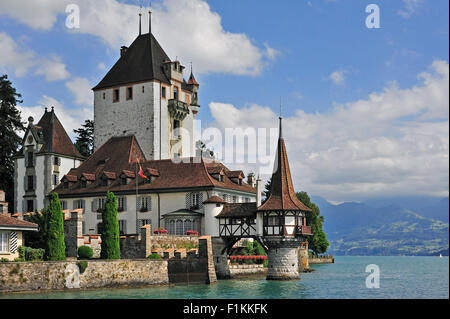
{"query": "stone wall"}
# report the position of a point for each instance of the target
(220, 260)
(59, 275)
(322, 260)
(245, 270)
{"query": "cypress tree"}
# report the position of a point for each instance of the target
(110, 229)
(56, 247)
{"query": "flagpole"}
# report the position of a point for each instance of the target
(137, 231)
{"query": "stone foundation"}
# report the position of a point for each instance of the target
(220, 260)
(282, 258)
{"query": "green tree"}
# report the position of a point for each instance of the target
(110, 229)
(37, 239)
(318, 242)
(56, 247)
(84, 142)
(10, 126)
(267, 189)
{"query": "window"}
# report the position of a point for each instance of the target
(63, 204)
(273, 220)
(175, 93)
(83, 183)
(145, 204)
(122, 226)
(143, 222)
(55, 179)
(234, 199)
(170, 226)
(195, 95)
(56, 160)
(247, 200)
(195, 204)
(104, 182)
(129, 93)
(124, 181)
(4, 242)
(143, 89)
(179, 227)
(30, 185)
(121, 204)
(30, 161)
(163, 92)
(116, 95)
(30, 205)
(78, 204)
(104, 95)
(176, 129)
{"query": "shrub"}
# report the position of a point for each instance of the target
(30, 254)
(85, 252)
(4, 260)
(110, 229)
(82, 265)
(154, 256)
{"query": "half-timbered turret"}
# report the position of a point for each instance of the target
(284, 220)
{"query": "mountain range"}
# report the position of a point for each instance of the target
(387, 226)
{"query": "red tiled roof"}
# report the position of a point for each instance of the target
(215, 170)
(55, 136)
(282, 195)
(235, 174)
(70, 178)
(192, 80)
(6, 220)
(88, 177)
(121, 153)
(152, 171)
(214, 199)
(127, 173)
(109, 175)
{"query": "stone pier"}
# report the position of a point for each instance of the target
(220, 260)
(282, 258)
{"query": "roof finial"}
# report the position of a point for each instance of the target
(45, 109)
(191, 67)
(150, 18)
(53, 109)
(281, 118)
(140, 18)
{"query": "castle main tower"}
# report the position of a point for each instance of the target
(145, 94)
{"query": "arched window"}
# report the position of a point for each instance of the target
(171, 227)
(179, 229)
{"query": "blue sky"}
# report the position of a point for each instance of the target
(316, 55)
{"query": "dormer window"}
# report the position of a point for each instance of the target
(124, 181)
(83, 183)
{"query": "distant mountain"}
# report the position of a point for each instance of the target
(362, 229)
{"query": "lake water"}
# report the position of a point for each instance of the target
(400, 278)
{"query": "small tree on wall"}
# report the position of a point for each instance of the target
(110, 229)
(56, 247)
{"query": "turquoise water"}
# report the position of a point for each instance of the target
(400, 278)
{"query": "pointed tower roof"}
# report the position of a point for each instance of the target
(282, 194)
(54, 137)
(142, 61)
(192, 80)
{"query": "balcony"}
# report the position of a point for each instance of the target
(178, 109)
(304, 230)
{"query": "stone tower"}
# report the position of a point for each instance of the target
(284, 220)
(145, 95)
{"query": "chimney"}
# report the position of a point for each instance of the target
(123, 50)
(258, 192)
(251, 179)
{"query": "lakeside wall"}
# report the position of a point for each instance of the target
(62, 275)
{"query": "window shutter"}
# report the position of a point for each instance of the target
(12, 242)
(125, 203)
(25, 182)
(188, 200)
(149, 203)
(138, 203)
(200, 200)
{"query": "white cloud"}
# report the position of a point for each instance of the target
(411, 7)
(53, 69)
(101, 66)
(337, 77)
(14, 58)
(70, 118)
(81, 89)
(202, 40)
(394, 142)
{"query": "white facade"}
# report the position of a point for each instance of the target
(144, 114)
(36, 176)
(158, 206)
